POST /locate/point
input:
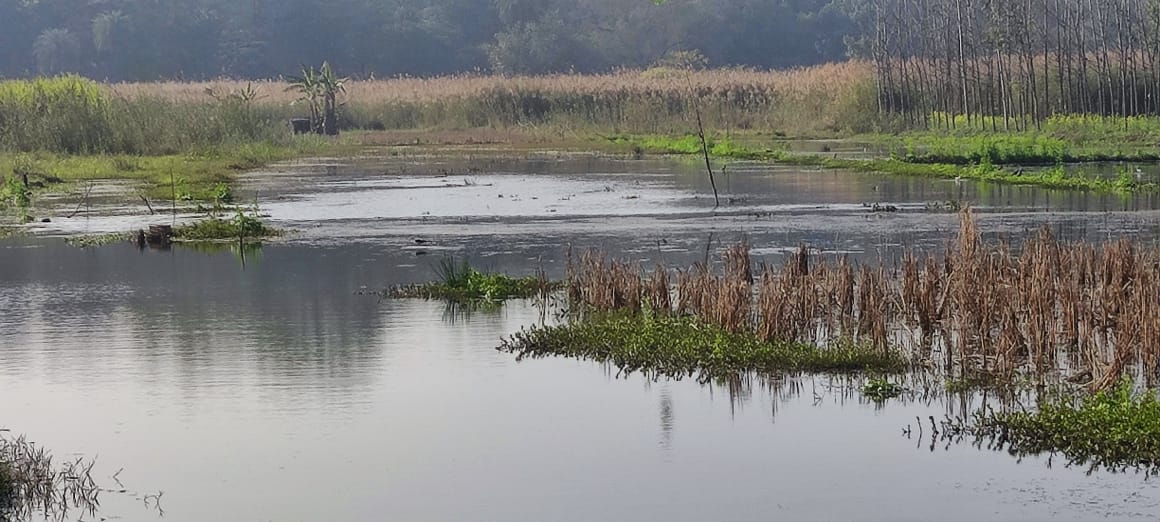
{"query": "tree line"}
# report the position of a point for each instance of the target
(145, 40)
(1011, 63)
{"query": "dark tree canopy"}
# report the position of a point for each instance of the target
(196, 39)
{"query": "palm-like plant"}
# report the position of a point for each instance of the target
(309, 90)
(320, 88)
(331, 86)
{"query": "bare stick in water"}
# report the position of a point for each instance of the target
(704, 142)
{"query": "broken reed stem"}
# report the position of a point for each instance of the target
(976, 310)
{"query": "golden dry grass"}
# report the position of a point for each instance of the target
(795, 84)
(814, 99)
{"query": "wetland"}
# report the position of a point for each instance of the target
(283, 381)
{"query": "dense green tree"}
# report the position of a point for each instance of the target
(190, 39)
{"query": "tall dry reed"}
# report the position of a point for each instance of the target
(807, 100)
(1087, 312)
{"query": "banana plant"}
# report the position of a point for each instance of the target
(330, 86)
(309, 89)
(319, 89)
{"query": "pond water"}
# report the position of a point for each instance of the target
(274, 388)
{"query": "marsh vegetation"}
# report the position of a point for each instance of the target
(219, 225)
(1116, 429)
(33, 484)
(461, 283)
(1043, 308)
(1060, 340)
(1075, 321)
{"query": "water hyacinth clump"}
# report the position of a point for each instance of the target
(460, 282)
(1116, 429)
(678, 347)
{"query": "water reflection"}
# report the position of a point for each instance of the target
(666, 414)
(203, 379)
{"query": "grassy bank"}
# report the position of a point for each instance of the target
(191, 176)
(1061, 139)
(684, 346)
(956, 166)
(55, 132)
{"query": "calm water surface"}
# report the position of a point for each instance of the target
(273, 389)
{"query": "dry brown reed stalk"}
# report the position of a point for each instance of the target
(600, 284)
(657, 293)
(978, 311)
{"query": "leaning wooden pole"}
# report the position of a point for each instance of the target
(704, 142)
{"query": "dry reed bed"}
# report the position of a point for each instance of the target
(731, 83)
(734, 98)
(974, 311)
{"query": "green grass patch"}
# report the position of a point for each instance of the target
(1060, 139)
(1055, 177)
(1081, 129)
(1015, 148)
(243, 225)
(683, 346)
(1116, 429)
(460, 282)
(195, 176)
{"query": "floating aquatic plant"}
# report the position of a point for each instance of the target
(460, 282)
(685, 346)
